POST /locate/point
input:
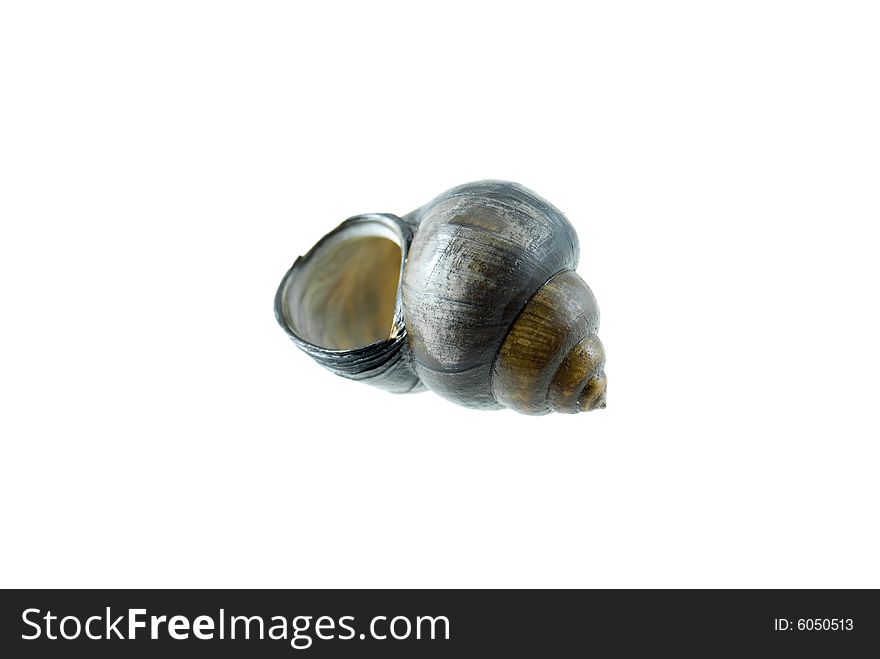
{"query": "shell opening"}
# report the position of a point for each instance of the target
(343, 294)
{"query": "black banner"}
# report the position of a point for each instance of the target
(435, 623)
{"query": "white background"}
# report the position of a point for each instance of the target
(163, 163)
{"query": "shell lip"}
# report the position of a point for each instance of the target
(371, 355)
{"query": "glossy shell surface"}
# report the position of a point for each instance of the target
(473, 296)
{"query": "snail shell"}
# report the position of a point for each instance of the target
(473, 296)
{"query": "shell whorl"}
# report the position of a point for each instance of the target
(480, 253)
(552, 360)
